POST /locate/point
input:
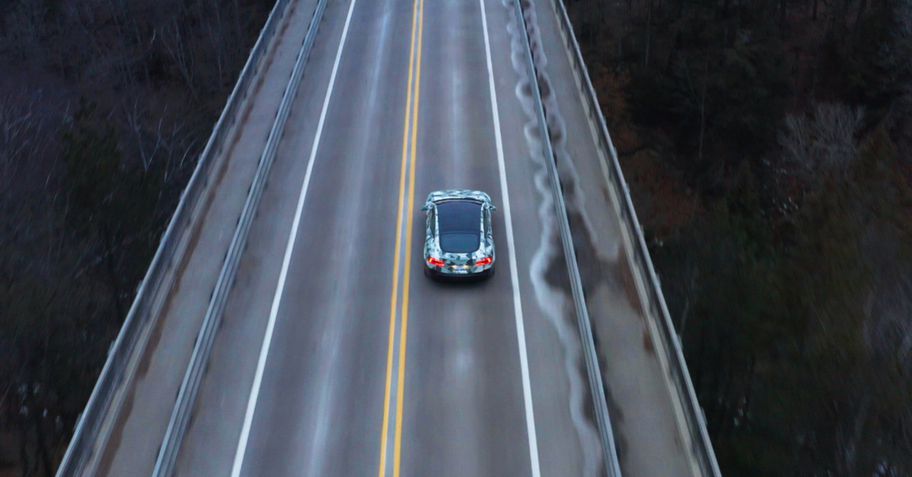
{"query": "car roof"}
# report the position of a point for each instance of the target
(459, 214)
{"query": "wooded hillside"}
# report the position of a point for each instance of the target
(104, 108)
(767, 145)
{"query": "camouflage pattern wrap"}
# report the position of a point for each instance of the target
(459, 264)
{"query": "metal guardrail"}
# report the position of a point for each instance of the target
(186, 397)
(701, 446)
(103, 407)
(602, 417)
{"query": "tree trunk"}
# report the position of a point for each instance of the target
(648, 36)
(41, 445)
(703, 113)
(783, 9)
(862, 7)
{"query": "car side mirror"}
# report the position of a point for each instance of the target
(425, 208)
(493, 208)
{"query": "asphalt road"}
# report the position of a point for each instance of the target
(336, 355)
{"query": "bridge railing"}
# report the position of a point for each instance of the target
(654, 301)
(102, 410)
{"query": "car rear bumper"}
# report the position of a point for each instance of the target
(446, 274)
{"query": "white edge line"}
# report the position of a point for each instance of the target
(514, 275)
(289, 248)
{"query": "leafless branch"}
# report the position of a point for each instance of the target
(824, 139)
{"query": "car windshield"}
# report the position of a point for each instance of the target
(459, 225)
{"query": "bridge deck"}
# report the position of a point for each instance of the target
(318, 404)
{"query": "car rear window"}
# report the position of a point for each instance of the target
(459, 225)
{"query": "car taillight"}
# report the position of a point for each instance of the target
(434, 262)
(482, 262)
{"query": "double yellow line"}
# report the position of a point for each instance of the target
(409, 148)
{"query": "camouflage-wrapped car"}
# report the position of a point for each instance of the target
(459, 238)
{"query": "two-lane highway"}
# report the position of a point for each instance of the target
(336, 355)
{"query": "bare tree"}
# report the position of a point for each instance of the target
(157, 140)
(21, 140)
(824, 139)
(181, 54)
(26, 249)
(25, 26)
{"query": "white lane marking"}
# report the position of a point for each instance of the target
(289, 248)
(514, 275)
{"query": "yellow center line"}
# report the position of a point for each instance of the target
(398, 254)
(400, 393)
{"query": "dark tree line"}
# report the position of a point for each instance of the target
(768, 148)
(104, 107)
